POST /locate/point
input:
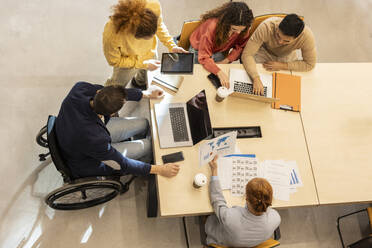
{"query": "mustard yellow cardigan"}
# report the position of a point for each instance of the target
(122, 49)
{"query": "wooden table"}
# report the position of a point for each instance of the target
(337, 119)
(282, 138)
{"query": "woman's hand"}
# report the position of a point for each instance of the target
(223, 79)
(178, 49)
(152, 64)
(213, 165)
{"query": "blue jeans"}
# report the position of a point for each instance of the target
(216, 56)
(123, 128)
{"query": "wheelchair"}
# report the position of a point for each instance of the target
(76, 193)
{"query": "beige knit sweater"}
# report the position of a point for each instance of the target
(264, 36)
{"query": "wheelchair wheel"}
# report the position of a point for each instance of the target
(41, 137)
(83, 195)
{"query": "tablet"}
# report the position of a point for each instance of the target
(177, 63)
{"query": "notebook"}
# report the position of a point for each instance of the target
(287, 88)
(172, 82)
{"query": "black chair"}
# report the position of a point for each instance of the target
(365, 242)
(76, 193)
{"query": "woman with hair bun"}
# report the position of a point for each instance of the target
(241, 226)
(221, 37)
(129, 41)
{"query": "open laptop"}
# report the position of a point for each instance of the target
(183, 124)
(242, 86)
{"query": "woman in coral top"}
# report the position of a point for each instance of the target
(221, 37)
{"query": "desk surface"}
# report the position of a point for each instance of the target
(283, 138)
(337, 118)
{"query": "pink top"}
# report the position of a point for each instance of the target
(202, 39)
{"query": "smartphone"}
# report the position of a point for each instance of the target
(215, 80)
(173, 157)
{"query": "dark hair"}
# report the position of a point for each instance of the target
(259, 194)
(134, 16)
(292, 25)
(231, 13)
(109, 100)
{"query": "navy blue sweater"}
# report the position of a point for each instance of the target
(84, 139)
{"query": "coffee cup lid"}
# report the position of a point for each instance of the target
(222, 91)
(200, 179)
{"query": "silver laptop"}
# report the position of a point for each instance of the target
(183, 124)
(243, 84)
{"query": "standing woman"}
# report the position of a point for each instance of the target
(129, 41)
(222, 29)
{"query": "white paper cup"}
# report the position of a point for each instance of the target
(199, 180)
(221, 94)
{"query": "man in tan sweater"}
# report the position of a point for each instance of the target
(274, 44)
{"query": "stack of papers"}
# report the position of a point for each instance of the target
(283, 176)
(235, 171)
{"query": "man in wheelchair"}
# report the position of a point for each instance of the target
(95, 143)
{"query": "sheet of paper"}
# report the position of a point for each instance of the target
(221, 145)
(224, 171)
(244, 168)
(281, 193)
(295, 177)
(277, 173)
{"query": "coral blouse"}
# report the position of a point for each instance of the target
(202, 39)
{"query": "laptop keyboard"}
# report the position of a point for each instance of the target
(247, 88)
(178, 122)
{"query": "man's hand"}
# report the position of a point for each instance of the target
(224, 61)
(275, 66)
(258, 88)
(153, 92)
(152, 64)
(169, 170)
(213, 165)
(178, 49)
(223, 79)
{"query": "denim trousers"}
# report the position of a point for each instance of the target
(137, 129)
(216, 56)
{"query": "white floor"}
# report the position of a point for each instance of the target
(47, 46)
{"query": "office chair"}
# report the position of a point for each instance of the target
(365, 242)
(258, 19)
(76, 193)
(183, 39)
(272, 242)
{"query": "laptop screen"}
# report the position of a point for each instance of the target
(199, 120)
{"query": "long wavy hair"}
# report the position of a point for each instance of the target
(134, 16)
(231, 13)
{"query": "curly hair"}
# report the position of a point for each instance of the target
(134, 16)
(231, 13)
(259, 194)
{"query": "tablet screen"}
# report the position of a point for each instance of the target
(177, 63)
